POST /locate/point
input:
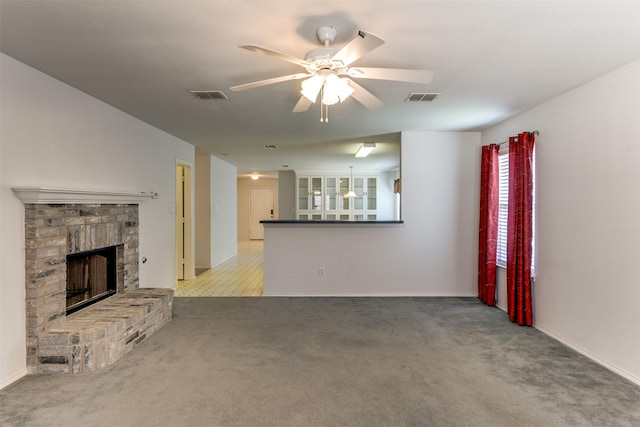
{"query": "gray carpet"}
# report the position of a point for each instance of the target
(334, 362)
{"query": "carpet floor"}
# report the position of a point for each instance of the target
(333, 362)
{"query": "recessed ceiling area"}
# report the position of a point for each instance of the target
(490, 61)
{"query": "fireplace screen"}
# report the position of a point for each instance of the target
(91, 277)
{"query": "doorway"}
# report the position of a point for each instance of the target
(260, 208)
(184, 248)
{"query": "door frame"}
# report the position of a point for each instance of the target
(184, 236)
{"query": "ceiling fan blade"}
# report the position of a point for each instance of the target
(395, 74)
(275, 54)
(365, 97)
(361, 44)
(269, 81)
(302, 105)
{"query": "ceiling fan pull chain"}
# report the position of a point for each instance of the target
(323, 109)
(321, 104)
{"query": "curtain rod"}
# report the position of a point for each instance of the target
(535, 132)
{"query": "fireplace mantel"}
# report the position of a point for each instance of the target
(46, 195)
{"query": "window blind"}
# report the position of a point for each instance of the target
(503, 208)
(533, 217)
(503, 211)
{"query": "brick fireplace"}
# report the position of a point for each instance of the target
(90, 338)
(53, 231)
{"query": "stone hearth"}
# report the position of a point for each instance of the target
(100, 335)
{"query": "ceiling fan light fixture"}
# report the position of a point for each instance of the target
(366, 149)
(335, 90)
(311, 87)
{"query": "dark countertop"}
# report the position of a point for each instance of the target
(326, 222)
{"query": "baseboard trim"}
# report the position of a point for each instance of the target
(370, 295)
(593, 357)
(588, 355)
(20, 374)
(223, 260)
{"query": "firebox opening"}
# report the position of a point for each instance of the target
(91, 277)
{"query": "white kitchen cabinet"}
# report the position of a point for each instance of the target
(322, 198)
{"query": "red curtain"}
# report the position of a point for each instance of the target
(488, 239)
(520, 228)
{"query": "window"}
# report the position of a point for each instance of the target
(533, 219)
(503, 210)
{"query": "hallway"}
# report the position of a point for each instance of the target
(239, 276)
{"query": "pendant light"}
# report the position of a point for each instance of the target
(350, 193)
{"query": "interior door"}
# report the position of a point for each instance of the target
(184, 235)
(180, 218)
(261, 207)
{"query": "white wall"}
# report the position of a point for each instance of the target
(385, 196)
(587, 290)
(224, 210)
(433, 253)
(216, 211)
(286, 194)
(203, 211)
(53, 135)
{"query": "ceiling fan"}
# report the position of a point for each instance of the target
(329, 72)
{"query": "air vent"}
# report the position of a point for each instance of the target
(421, 97)
(270, 147)
(208, 94)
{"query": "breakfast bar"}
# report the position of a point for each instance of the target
(329, 258)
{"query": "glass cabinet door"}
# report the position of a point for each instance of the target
(322, 197)
(336, 217)
(371, 194)
(303, 194)
(344, 204)
(331, 194)
(358, 187)
(316, 193)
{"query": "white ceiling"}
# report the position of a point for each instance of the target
(491, 59)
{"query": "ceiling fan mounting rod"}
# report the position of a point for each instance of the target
(326, 35)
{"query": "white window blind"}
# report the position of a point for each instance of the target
(533, 218)
(503, 211)
(503, 208)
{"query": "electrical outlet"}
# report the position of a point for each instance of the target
(320, 271)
